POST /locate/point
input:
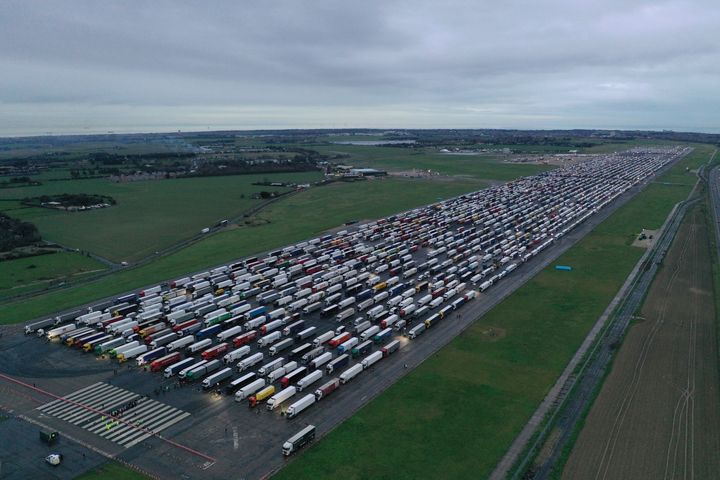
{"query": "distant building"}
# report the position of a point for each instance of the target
(368, 172)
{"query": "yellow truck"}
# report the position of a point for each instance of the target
(263, 394)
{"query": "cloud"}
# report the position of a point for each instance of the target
(191, 64)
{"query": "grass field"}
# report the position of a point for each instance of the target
(112, 471)
(35, 273)
(455, 415)
(402, 159)
(149, 215)
(675, 341)
(292, 219)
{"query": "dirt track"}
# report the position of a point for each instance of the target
(657, 415)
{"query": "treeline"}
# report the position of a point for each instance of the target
(116, 159)
(239, 167)
(16, 233)
(70, 199)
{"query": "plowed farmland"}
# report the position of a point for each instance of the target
(657, 414)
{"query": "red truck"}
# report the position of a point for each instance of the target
(214, 352)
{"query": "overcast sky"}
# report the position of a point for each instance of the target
(92, 66)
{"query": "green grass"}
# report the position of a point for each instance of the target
(149, 215)
(112, 471)
(456, 414)
(35, 273)
(402, 159)
(287, 221)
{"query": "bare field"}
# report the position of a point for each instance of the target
(657, 413)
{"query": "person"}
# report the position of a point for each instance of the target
(405, 365)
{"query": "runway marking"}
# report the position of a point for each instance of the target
(99, 408)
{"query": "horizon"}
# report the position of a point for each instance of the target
(83, 68)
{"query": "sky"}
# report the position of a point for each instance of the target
(124, 66)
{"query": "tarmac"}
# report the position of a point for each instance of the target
(219, 438)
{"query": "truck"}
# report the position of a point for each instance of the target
(164, 340)
(109, 345)
(180, 343)
(296, 408)
(391, 347)
(361, 349)
(33, 327)
(325, 337)
(250, 361)
(271, 326)
(293, 328)
(383, 335)
(54, 333)
(249, 389)
(270, 366)
(347, 345)
(362, 326)
(148, 357)
(240, 382)
(189, 330)
(197, 346)
(245, 338)
(208, 332)
(280, 397)
(131, 353)
(198, 372)
(162, 362)
(269, 339)
(182, 373)
(338, 339)
(309, 379)
(91, 344)
(321, 360)
(281, 371)
(389, 321)
(306, 333)
(178, 366)
(299, 440)
(416, 331)
(293, 376)
(312, 354)
(282, 345)
(230, 332)
(338, 363)
(123, 348)
(312, 307)
(327, 388)
(351, 373)
(261, 395)
(215, 351)
(255, 312)
(216, 378)
(255, 322)
(367, 334)
(371, 360)
(236, 354)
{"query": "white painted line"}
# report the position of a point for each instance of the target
(162, 427)
(102, 389)
(101, 392)
(70, 396)
(86, 416)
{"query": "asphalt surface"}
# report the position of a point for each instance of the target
(233, 441)
(570, 413)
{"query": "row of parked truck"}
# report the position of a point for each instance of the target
(268, 328)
